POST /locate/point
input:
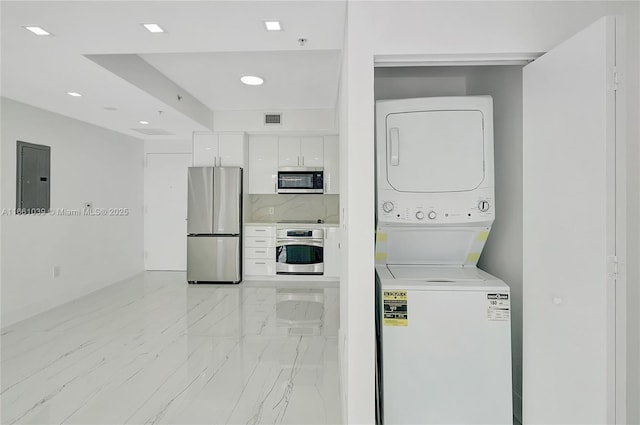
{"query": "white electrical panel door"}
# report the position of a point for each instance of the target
(569, 230)
(435, 151)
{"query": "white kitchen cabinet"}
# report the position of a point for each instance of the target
(259, 251)
(331, 165)
(288, 151)
(332, 251)
(312, 151)
(263, 164)
(219, 150)
(307, 151)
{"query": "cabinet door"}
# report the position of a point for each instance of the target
(289, 151)
(231, 150)
(331, 165)
(205, 150)
(332, 251)
(311, 151)
(569, 231)
(263, 164)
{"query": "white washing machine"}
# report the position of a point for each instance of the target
(444, 346)
(443, 325)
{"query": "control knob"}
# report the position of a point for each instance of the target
(432, 215)
(387, 207)
(483, 206)
(420, 215)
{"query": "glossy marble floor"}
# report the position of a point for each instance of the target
(154, 350)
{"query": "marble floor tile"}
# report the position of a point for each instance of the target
(155, 350)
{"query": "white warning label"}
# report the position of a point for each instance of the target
(498, 307)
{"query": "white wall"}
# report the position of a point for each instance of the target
(88, 164)
(342, 121)
(301, 120)
(423, 28)
(357, 285)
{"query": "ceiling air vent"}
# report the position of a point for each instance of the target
(270, 119)
(152, 131)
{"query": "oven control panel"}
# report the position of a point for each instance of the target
(298, 233)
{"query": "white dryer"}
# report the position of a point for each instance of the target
(434, 171)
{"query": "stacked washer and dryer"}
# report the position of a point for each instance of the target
(443, 325)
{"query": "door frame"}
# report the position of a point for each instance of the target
(617, 349)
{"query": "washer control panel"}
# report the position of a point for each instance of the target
(399, 211)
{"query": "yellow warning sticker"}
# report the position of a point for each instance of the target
(381, 256)
(395, 308)
(381, 237)
(473, 257)
(483, 236)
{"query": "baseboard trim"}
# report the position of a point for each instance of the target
(342, 369)
(517, 406)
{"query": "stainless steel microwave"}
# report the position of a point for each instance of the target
(301, 180)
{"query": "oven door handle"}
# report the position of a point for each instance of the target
(311, 242)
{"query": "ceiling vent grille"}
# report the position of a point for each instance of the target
(271, 119)
(153, 131)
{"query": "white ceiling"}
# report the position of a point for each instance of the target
(293, 79)
(207, 47)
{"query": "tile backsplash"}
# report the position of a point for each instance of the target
(291, 207)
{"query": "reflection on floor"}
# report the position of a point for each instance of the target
(156, 350)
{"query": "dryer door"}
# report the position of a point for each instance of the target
(435, 151)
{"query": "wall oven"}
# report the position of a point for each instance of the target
(300, 180)
(300, 251)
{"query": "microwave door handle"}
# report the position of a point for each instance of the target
(394, 136)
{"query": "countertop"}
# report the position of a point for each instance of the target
(273, 223)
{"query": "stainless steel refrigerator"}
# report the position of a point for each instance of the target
(214, 223)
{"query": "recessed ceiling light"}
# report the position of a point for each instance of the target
(74, 94)
(37, 30)
(273, 25)
(154, 28)
(252, 80)
(144, 122)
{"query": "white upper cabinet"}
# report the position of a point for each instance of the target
(231, 150)
(331, 165)
(305, 151)
(219, 150)
(312, 151)
(205, 150)
(288, 151)
(263, 164)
